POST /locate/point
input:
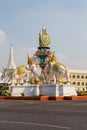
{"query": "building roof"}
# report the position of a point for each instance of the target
(77, 71)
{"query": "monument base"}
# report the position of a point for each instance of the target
(58, 90)
(45, 90)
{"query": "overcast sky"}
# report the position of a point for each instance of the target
(66, 23)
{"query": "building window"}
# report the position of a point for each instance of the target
(86, 77)
(86, 83)
(78, 76)
(74, 83)
(73, 76)
(82, 83)
(78, 83)
(82, 77)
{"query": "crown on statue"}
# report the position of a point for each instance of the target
(44, 39)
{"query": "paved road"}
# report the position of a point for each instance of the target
(43, 115)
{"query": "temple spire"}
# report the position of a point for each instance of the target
(11, 63)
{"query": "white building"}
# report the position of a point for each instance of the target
(78, 78)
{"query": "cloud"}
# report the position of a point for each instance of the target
(2, 36)
(72, 62)
(62, 55)
(21, 55)
(31, 51)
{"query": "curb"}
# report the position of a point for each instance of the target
(43, 98)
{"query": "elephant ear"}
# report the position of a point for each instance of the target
(56, 67)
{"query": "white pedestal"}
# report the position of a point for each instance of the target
(45, 89)
(67, 90)
(58, 90)
(29, 90)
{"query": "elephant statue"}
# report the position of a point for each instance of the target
(55, 71)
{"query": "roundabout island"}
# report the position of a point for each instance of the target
(43, 75)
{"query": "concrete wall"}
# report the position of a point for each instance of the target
(30, 90)
(46, 90)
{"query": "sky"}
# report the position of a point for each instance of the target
(65, 20)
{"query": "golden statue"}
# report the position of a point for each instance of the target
(53, 58)
(30, 61)
(44, 39)
(32, 67)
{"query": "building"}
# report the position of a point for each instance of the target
(78, 78)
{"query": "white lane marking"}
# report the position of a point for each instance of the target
(36, 124)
